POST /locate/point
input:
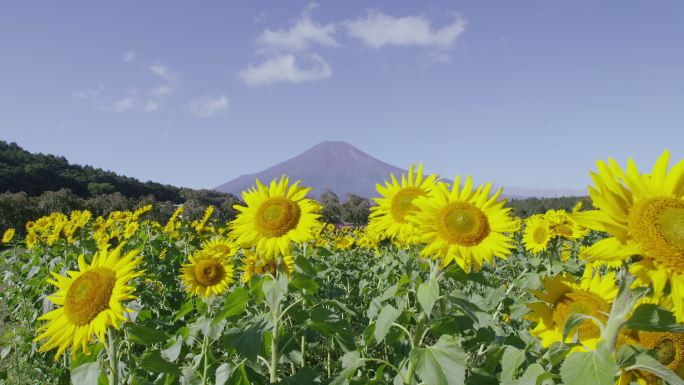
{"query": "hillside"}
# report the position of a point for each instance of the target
(34, 174)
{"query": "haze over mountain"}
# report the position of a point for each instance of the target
(342, 168)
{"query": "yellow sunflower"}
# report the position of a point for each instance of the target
(390, 216)
(464, 225)
(562, 224)
(644, 214)
(562, 297)
(207, 274)
(8, 235)
(344, 242)
(90, 300)
(668, 348)
(537, 234)
(252, 265)
(219, 246)
(276, 216)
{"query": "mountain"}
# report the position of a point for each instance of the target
(344, 169)
(337, 166)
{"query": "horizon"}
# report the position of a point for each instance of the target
(506, 94)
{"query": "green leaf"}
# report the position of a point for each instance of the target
(173, 348)
(247, 340)
(142, 335)
(651, 365)
(239, 376)
(534, 374)
(428, 292)
(187, 307)
(387, 316)
(155, 363)
(650, 317)
(350, 362)
(275, 290)
(86, 374)
(575, 320)
(304, 376)
(440, 364)
(510, 363)
(233, 305)
(595, 367)
(222, 374)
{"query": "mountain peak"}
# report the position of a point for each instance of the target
(331, 165)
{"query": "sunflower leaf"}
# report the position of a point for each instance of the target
(596, 367)
(650, 317)
(233, 305)
(651, 365)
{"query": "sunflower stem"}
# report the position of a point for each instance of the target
(619, 311)
(274, 350)
(112, 352)
(205, 343)
(415, 344)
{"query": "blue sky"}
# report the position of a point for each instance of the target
(525, 93)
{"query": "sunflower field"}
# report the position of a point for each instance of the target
(443, 287)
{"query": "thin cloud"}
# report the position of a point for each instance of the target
(163, 72)
(378, 30)
(299, 37)
(125, 104)
(129, 56)
(151, 106)
(207, 106)
(88, 93)
(285, 68)
(161, 91)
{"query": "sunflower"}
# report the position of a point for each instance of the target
(220, 247)
(276, 216)
(644, 214)
(464, 225)
(592, 296)
(668, 348)
(537, 234)
(90, 300)
(207, 274)
(8, 235)
(390, 216)
(252, 265)
(344, 242)
(562, 224)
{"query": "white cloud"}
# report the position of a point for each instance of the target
(88, 93)
(284, 68)
(129, 56)
(151, 106)
(298, 38)
(161, 91)
(163, 72)
(378, 30)
(207, 106)
(125, 104)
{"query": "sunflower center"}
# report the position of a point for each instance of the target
(277, 216)
(657, 225)
(463, 224)
(402, 203)
(89, 295)
(540, 234)
(666, 352)
(581, 302)
(209, 272)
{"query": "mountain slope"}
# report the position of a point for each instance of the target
(337, 166)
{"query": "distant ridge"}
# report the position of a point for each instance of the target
(333, 165)
(344, 169)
